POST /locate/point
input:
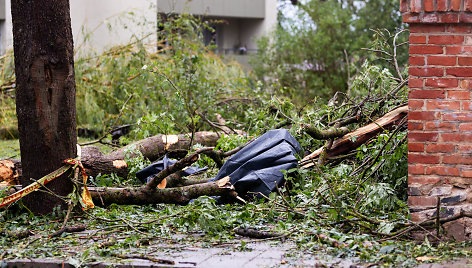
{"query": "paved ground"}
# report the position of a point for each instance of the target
(260, 254)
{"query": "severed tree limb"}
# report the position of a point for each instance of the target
(10, 171)
(179, 195)
(318, 134)
(359, 136)
(253, 233)
(16, 234)
(69, 229)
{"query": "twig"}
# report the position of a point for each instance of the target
(69, 229)
(144, 257)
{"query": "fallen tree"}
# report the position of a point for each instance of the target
(177, 146)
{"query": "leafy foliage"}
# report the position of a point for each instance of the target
(164, 91)
(324, 41)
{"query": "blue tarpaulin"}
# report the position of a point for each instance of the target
(257, 167)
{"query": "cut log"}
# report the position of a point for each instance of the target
(360, 136)
(10, 171)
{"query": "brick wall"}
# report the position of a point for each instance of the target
(440, 107)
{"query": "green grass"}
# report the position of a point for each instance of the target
(9, 149)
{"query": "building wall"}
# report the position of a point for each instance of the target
(107, 22)
(215, 8)
(104, 23)
(440, 111)
(246, 20)
(111, 22)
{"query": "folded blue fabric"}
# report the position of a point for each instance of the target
(258, 166)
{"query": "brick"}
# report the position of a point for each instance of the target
(417, 39)
(415, 104)
(465, 127)
(465, 149)
(415, 125)
(465, 17)
(427, 28)
(467, 40)
(459, 28)
(411, 18)
(403, 6)
(449, 18)
(415, 147)
(465, 61)
(415, 83)
(442, 171)
(439, 126)
(465, 84)
(455, 5)
(466, 172)
(456, 137)
(415, 6)
(457, 159)
(463, 117)
(428, 6)
(417, 60)
(446, 39)
(429, 71)
(422, 201)
(468, 5)
(466, 106)
(416, 169)
(459, 50)
(424, 115)
(415, 158)
(459, 116)
(458, 95)
(422, 137)
(442, 60)
(441, 82)
(426, 49)
(423, 180)
(430, 18)
(427, 94)
(459, 71)
(443, 105)
(440, 148)
(441, 5)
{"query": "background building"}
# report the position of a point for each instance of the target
(100, 24)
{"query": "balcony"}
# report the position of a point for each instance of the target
(253, 9)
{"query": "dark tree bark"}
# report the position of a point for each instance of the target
(45, 94)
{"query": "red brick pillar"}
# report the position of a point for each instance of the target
(440, 107)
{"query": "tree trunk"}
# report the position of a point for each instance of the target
(45, 95)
